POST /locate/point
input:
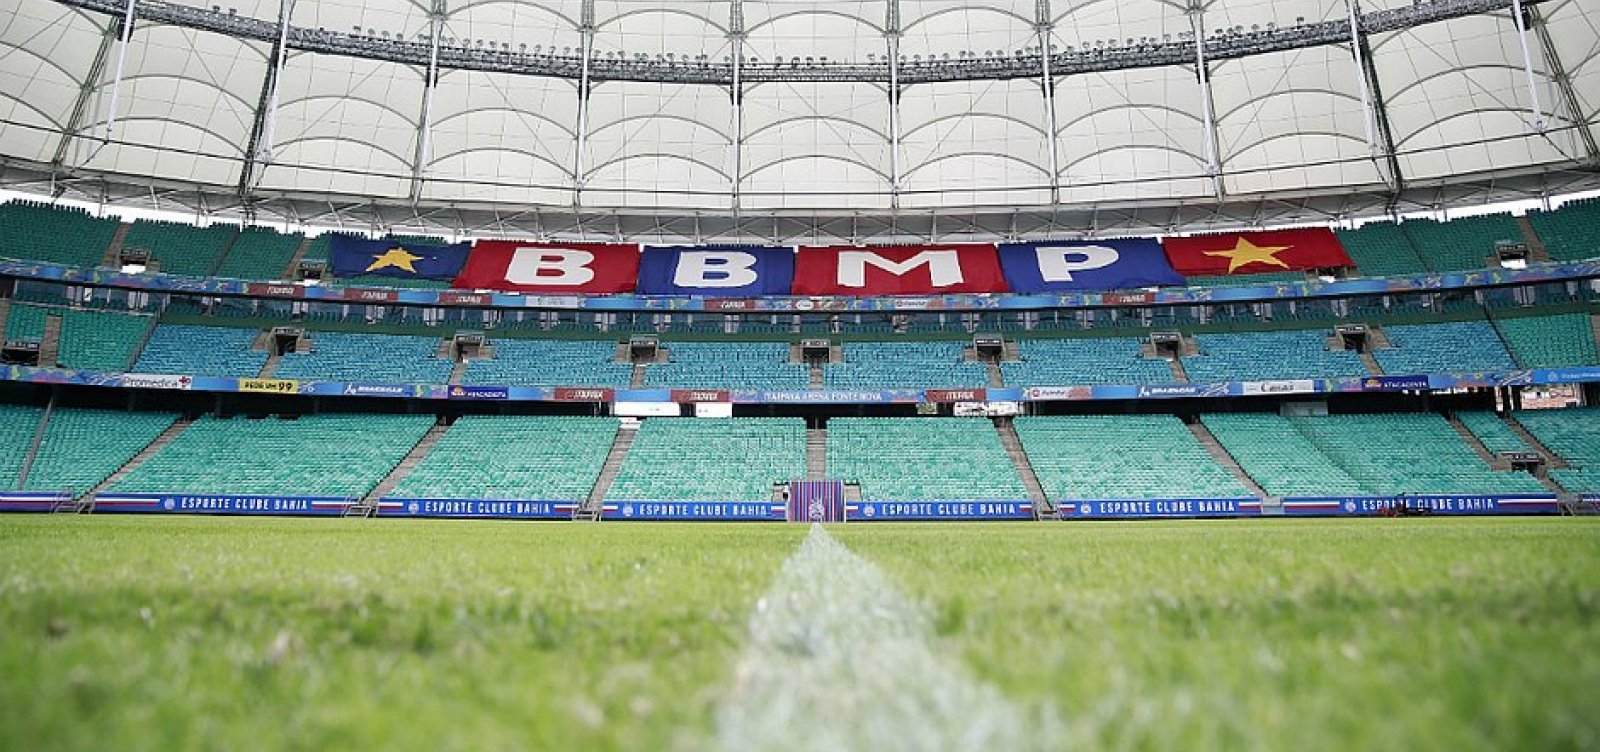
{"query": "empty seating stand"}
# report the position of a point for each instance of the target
(889, 365)
(513, 458)
(100, 340)
(1123, 457)
(1381, 249)
(732, 365)
(1252, 356)
(34, 231)
(259, 253)
(340, 456)
(337, 356)
(1574, 434)
(531, 362)
(201, 351)
(1451, 347)
(1571, 232)
(716, 459)
(1410, 453)
(180, 247)
(1550, 341)
(1280, 458)
(922, 459)
(83, 447)
(1109, 360)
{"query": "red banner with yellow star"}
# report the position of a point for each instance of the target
(1256, 252)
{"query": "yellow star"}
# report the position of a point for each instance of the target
(396, 257)
(1245, 253)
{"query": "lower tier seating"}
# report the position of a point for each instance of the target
(99, 340)
(337, 356)
(731, 365)
(1574, 434)
(1408, 453)
(922, 459)
(887, 365)
(698, 459)
(313, 455)
(533, 362)
(1280, 458)
(1057, 362)
(83, 447)
(18, 424)
(201, 351)
(1256, 356)
(514, 458)
(1123, 457)
(1493, 432)
(1451, 347)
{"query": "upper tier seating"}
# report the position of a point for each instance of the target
(1243, 280)
(100, 340)
(1574, 434)
(711, 459)
(922, 459)
(314, 455)
(1057, 362)
(33, 231)
(181, 248)
(1254, 356)
(1279, 458)
(18, 424)
(733, 365)
(1451, 347)
(887, 365)
(83, 447)
(1493, 432)
(514, 458)
(1381, 249)
(336, 356)
(1462, 243)
(1572, 232)
(1408, 453)
(26, 322)
(1550, 341)
(201, 351)
(1123, 457)
(534, 362)
(260, 253)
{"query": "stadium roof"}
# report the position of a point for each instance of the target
(776, 119)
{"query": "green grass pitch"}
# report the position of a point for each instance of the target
(202, 633)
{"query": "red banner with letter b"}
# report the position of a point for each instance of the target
(572, 268)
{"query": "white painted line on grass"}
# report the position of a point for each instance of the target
(838, 659)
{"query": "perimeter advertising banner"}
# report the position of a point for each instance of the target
(222, 504)
(883, 511)
(1128, 508)
(518, 509)
(1326, 506)
(738, 511)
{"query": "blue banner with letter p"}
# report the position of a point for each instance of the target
(1093, 265)
(716, 271)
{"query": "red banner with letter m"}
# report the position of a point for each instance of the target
(898, 270)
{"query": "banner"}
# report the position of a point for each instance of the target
(1324, 506)
(396, 506)
(716, 271)
(157, 381)
(898, 270)
(1119, 508)
(358, 257)
(699, 510)
(221, 504)
(1089, 265)
(588, 268)
(1256, 252)
(867, 511)
(272, 386)
(32, 501)
(480, 392)
(1394, 383)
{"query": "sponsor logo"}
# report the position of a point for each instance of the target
(480, 392)
(276, 291)
(699, 395)
(156, 381)
(570, 394)
(552, 301)
(956, 395)
(1394, 383)
(378, 390)
(465, 298)
(918, 304)
(1127, 298)
(367, 295)
(1044, 393)
(1295, 386)
(732, 305)
(1174, 390)
(270, 386)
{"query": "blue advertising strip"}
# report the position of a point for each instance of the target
(518, 509)
(749, 511)
(32, 501)
(882, 511)
(222, 504)
(1326, 506)
(1395, 383)
(1129, 508)
(480, 392)
(1554, 272)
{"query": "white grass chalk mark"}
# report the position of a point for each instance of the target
(838, 659)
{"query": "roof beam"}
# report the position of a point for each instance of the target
(86, 91)
(586, 29)
(1044, 30)
(1563, 80)
(1394, 176)
(736, 36)
(419, 163)
(258, 150)
(1208, 112)
(891, 36)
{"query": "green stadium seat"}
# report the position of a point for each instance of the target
(83, 447)
(922, 459)
(34, 231)
(100, 340)
(1123, 457)
(514, 457)
(715, 459)
(181, 248)
(1550, 341)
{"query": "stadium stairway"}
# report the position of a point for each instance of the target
(1594, 329)
(996, 380)
(458, 372)
(50, 343)
(86, 502)
(1475, 443)
(1371, 363)
(5, 312)
(1537, 252)
(592, 506)
(368, 505)
(271, 366)
(1043, 507)
(637, 380)
(1223, 457)
(816, 453)
(815, 375)
(1179, 374)
(114, 249)
(294, 261)
(1552, 460)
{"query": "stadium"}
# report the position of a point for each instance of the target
(792, 374)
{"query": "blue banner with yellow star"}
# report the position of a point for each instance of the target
(358, 257)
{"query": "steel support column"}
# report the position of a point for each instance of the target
(1207, 113)
(891, 34)
(1535, 111)
(586, 30)
(86, 92)
(736, 91)
(258, 150)
(1563, 80)
(1044, 29)
(419, 162)
(122, 61)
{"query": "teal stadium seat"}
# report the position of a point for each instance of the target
(100, 340)
(1574, 434)
(1255, 356)
(514, 458)
(34, 231)
(314, 455)
(1414, 453)
(18, 424)
(1452, 347)
(260, 253)
(533, 362)
(1280, 458)
(1571, 232)
(1550, 341)
(1493, 432)
(26, 322)
(338, 356)
(922, 459)
(1462, 243)
(711, 459)
(732, 365)
(1381, 249)
(889, 365)
(201, 351)
(1123, 457)
(83, 447)
(1083, 361)
(181, 248)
